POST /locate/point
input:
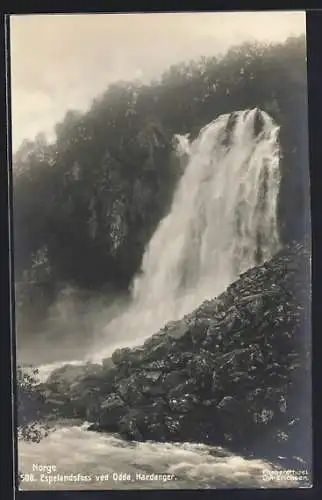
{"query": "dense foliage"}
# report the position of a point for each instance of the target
(86, 205)
(30, 402)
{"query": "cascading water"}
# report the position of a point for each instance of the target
(222, 222)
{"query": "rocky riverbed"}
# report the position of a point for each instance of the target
(233, 373)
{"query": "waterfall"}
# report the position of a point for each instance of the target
(223, 220)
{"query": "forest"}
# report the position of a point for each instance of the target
(86, 205)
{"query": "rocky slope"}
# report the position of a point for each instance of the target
(235, 372)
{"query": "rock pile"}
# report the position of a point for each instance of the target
(235, 372)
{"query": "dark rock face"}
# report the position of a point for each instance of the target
(79, 390)
(235, 372)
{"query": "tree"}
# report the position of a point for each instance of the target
(31, 425)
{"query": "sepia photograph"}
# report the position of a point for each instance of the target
(161, 251)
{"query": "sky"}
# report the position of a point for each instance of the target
(61, 62)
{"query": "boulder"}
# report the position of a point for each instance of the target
(111, 412)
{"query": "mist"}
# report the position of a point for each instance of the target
(74, 323)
